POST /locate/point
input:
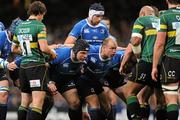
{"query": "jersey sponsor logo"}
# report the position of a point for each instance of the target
(23, 30)
(173, 50)
(35, 83)
(171, 73)
(25, 23)
(95, 30)
(92, 59)
(92, 90)
(95, 37)
(66, 65)
(71, 84)
(178, 17)
(86, 30)
(102, 31)
(95, 41)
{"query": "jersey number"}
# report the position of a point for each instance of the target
(156, 24)
(25, 43)
(176, 26)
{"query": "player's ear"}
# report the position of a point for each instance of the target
(142, 14)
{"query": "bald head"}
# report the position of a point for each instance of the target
(146, 10)
(109, 41)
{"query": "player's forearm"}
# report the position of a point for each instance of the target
(127, 55)
(16, 49)
(70, 40)
(158, 50)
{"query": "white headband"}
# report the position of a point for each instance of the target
(95, 12)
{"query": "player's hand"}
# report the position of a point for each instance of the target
(154, 74)
(52, 88)
(53, 55)
(11, 66)
(121, 70)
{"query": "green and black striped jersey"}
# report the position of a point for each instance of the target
(146, 27)
(170, 23)
(27, 35)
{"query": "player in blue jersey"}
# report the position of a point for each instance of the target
(5, 49)
(111, 95)
(64, 70)
(89, 86)
(90, 29)
(2, 27)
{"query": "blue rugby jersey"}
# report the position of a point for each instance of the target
(117, 58)
(5, 45)
(94, 35)
(96, 66)
(64, 62)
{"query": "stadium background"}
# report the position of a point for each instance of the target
(63, 14)
(60, 18)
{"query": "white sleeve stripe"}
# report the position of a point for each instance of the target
(3, 63)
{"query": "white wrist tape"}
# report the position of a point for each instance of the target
(136, 49)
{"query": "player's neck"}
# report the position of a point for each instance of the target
(173, 5)
(32, 17)
(102, 54)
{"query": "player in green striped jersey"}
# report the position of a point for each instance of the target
(142, 42)
(168, 45)
(30, 35)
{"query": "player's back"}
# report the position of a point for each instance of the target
(147, 27)
(27, 34)
(170, 23)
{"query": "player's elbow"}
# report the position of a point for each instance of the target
(135, 41)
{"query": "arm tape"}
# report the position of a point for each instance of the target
(136, 49)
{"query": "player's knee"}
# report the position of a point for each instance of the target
(3, 96)
(74, 104)
(93, 102)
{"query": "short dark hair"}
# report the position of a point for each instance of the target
(96, 6)
(174, 1)
(36, 8)
(106, 18)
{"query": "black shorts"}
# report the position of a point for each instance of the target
(170, 72)
(88, 86)
(3, 75)
(63, 82)
(14, 75)
(113, 79)
(33, 77)
(141, 73)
